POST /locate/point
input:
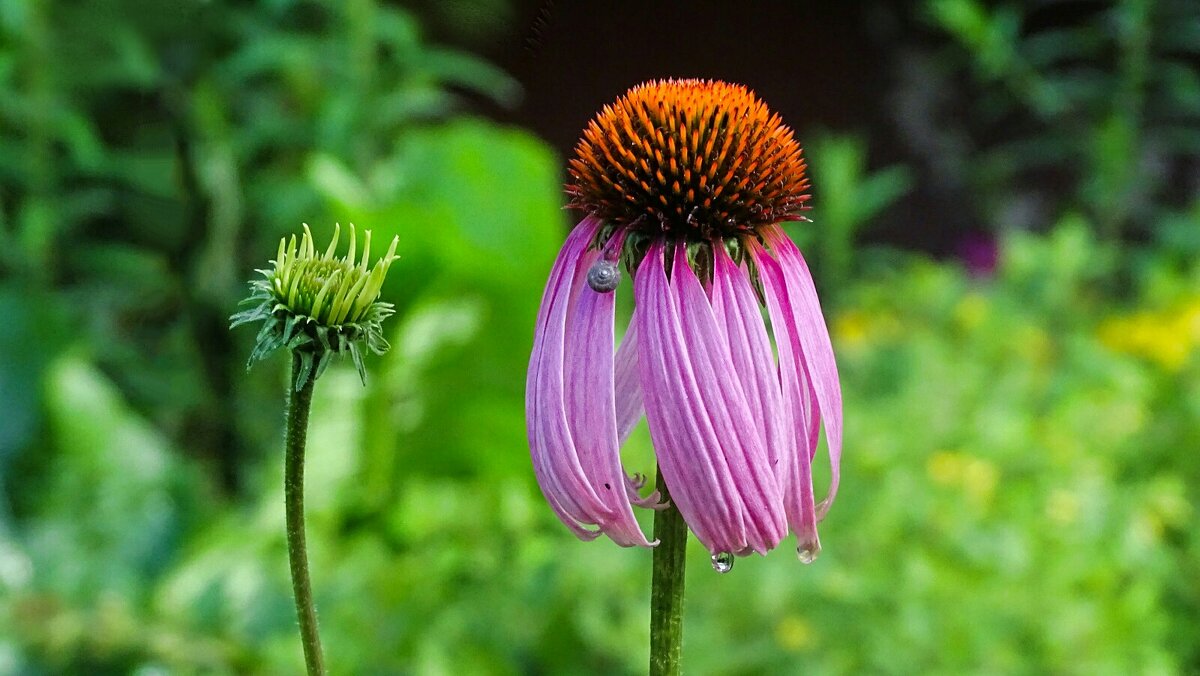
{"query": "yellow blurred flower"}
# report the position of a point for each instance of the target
(943, 467)
(1166, 337)
(971, 310)
(794, 634)
(976, 477)
(857, 328)
(851, 328)
(1033, 343)
(979, 480)
(1062, 507)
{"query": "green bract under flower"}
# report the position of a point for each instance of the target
(319, 305)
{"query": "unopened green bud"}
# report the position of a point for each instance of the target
(319, 305)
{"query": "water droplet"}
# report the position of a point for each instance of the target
(722, 562)
(603, 276)
(807, 551)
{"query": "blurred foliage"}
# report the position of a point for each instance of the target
(145, 169)
(1021, 476)
(1040, 518)
(852, 197)
(1070, 106)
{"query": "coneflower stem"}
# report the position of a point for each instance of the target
(299, 402)
(666, 588)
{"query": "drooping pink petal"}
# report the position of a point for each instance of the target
(818, 351)
(799, 406)
(629, 408)
(799, 400)
(697, 489)
(555, 463)
(748, 459)
(591, 407)
(571, 403)
(710, 452)
(739, 318)
(629, 392)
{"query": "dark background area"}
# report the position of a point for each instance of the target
(822, 66)
(881, 70)
(819, 65)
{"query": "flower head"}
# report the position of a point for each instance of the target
(693, 158)
(684, 183)
(319, 305)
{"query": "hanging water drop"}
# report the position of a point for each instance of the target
(604, 276)
(722, 562)
(807, 551)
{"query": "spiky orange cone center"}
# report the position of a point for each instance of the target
(694, 159)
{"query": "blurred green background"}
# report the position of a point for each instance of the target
(1006, 236)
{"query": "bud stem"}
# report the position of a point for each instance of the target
(666, 588)
(299, 403)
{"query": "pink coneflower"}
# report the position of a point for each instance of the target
(684, 183)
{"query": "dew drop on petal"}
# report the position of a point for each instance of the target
(722, 562)
(807, 551)
(604, 276)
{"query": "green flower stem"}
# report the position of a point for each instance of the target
(299, 402)
(666, 588)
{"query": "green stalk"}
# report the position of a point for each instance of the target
(299, 402)
(666, 588)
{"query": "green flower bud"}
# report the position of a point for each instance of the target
(319, 305)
